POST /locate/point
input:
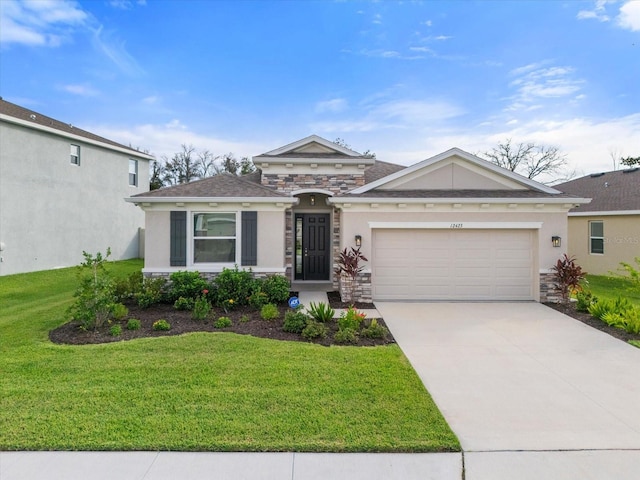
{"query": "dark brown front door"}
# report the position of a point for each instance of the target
(313, 246)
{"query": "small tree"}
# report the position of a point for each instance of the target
(95, 296)
(348, 269)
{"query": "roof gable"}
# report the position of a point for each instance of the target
(455, 169)
(614, 191)
(313, 144)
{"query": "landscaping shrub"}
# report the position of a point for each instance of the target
(584, 300)
(269, 312)
(314, 330)
(183, 303)
(222, 322)
(346, 335)
(201, 307)
(115, 330)
(152, 292)
(133, 324)
(258, 299)
(568, 275)
(632, 321)
(374, 330)
(128, 288)
(619, 306)
(186, 284)
(119, 311)
(244, 319)
(321, 312)
(350, 319)
(95, 295)
(234, 287)
(295, 321)
(161, 325)
(276, 288)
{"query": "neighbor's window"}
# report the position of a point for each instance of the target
(214, 238)
(75, 154)
(133, 172)
(596, 237)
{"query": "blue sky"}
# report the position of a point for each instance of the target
(406, 80)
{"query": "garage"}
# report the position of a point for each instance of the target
(453, 264)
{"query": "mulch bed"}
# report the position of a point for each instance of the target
(570, 310)
(245, 321)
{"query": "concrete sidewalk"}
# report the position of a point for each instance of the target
(227, 466)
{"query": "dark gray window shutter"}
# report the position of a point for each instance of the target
(178, 254)
(249, 238)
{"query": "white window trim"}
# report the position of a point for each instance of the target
(76, 164)
(191, 238)
(135, 183)
(592, 237)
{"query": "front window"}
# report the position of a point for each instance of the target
(133, 173)
(214, 238)
(596, 237)
(75, 154)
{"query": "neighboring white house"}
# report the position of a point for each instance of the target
(62, 191)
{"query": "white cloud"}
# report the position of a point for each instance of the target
(629, 17)
(416, 113)
(335, 105)
(38, 22)
(165, 139)
(377, 19)
(116, 51)
(535, 83)
(81, 90)
(598, 13)
(151, 100)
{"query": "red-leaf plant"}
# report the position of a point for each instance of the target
(349, 266)
(568, 275)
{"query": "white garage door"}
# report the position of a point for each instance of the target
(452, 264)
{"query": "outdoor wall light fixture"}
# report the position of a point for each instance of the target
(358, 240)
(312, 200)
(556, 241)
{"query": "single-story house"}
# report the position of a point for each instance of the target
(62, 191)
(606, 231)
(452, 227)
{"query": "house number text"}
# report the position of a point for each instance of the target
(456, 225)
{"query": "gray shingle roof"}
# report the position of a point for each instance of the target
(223, 185)
(379, 170)
(611, 191)
(16, 111)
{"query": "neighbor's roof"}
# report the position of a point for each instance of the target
(614, 191)
(222, 185)
(380, 170)
(42, 122)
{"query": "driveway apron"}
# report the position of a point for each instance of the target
(521, 376)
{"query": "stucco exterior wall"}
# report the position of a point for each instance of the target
(271, 241)
(52, 210)
(621, 242)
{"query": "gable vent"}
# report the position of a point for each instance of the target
(596, 175)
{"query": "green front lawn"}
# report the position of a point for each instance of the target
(202, 391)
(610, 288)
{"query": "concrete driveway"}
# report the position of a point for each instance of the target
(521, 377)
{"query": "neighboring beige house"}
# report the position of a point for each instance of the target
(453, 227)
(606, 231)
(61, 192)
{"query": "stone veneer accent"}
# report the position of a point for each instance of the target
(287, 183)
(549, 291)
